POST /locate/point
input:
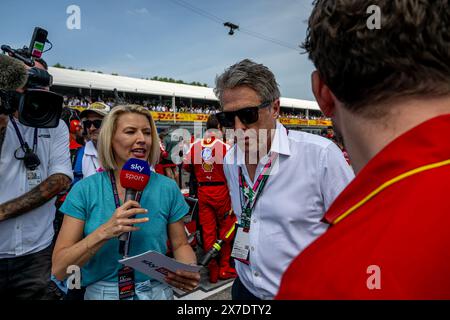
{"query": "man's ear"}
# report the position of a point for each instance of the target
(276, 108)
(323, 95)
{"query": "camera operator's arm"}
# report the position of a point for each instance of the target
(3, 124)
(36, 197)
(59, 177)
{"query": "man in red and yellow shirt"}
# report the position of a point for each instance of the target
(205, 159)
(389, 97)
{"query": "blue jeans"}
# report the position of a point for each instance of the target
(147, 290)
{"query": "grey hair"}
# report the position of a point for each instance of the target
(248, 73)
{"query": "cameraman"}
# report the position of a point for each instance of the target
(27, 203)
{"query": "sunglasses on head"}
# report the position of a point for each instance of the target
(247, 115)
(88, 123)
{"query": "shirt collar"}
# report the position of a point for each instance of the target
(280, 144)
(424, 144)
(90, 149)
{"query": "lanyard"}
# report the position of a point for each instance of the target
(248, 195)
(23, 144)
(95, 167)
(117, 202)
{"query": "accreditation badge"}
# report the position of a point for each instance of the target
(34, 178)
(126, 283)
(241, 245)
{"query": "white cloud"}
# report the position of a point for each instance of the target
(130, 56)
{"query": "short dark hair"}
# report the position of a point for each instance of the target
(212, 122)
(408, 56)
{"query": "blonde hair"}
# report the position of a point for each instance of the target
(108, 129)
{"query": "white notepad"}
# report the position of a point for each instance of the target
(156, 265)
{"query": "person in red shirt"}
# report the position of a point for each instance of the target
(388, 93)
(330, 133)
(75, 131)
(159, 167)
(205, 159)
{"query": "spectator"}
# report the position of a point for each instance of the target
(170, 145)
(76, 137)
(87, 162)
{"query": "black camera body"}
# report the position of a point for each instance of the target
(37, 106)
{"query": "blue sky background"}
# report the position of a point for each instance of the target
(161, 38)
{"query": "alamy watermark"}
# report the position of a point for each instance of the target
(74, 280)
(374, 21)
(374, 280)
(73, 21)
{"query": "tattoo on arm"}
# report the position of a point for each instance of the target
(36, 197)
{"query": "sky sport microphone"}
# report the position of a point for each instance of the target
(134, 177)
(13, 74)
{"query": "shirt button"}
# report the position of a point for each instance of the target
(253, 248)
(256, 274)
(17, 227)
(254, 220)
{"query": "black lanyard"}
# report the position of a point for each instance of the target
(93, 162)
(117, 202)
(24, 144)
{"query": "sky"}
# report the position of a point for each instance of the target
(146, 38)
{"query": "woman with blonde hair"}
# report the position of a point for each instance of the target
(93, 220)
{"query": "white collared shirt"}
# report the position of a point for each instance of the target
(90, 164)
(32, 231)
(306, 178)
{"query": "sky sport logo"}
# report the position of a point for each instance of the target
(134, 176)
(137, 167)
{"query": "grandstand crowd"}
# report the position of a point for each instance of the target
(85, 101)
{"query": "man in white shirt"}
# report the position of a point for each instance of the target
(92, 119)
(27, 209)
(281, 182)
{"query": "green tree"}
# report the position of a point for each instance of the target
(58, 65)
